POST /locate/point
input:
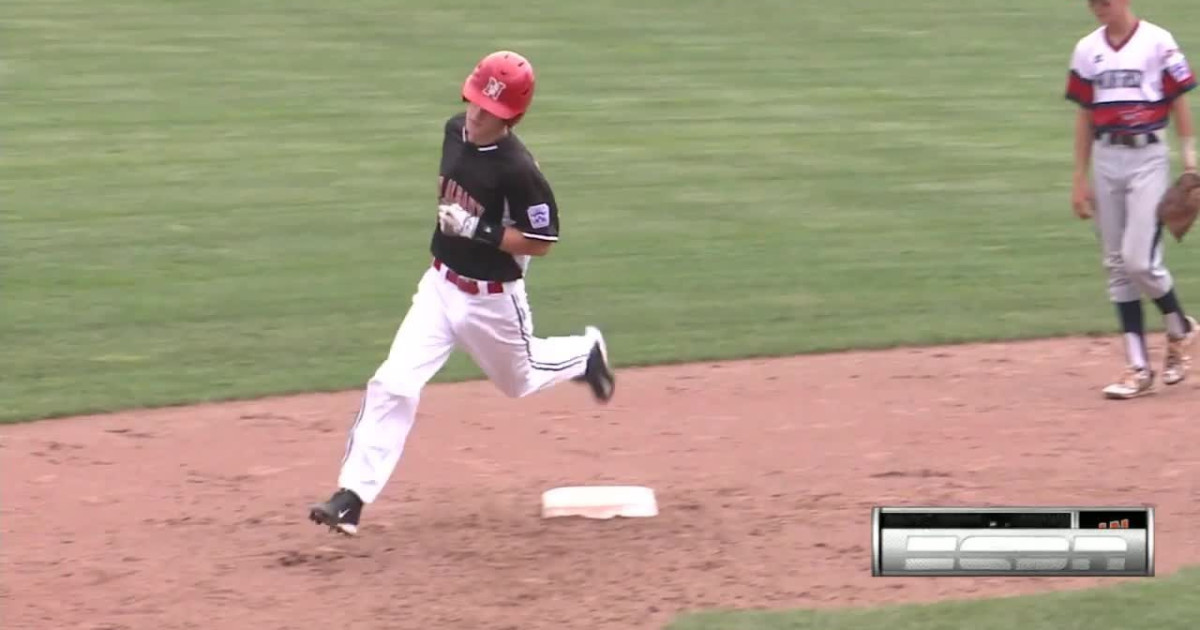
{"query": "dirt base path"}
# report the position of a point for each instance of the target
(195, 517)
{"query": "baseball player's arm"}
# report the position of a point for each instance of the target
(459, 222)
(1182, 114)
(1083, 143)
(1081, 192)
(533, 210)
(1079, 90)
(456, 221)
(517, 244)
(1177, 81)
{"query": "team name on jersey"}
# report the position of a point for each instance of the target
(1115, 79)
(449, 191)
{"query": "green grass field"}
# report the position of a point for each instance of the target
(207, 200)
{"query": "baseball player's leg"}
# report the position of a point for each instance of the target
(1108, 186)
(499, 336)
(1141, 246)
(1182, 331)
(422, 344)
(1112, 221)
(1145, 258)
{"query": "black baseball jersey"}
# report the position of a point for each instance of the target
(500, 182)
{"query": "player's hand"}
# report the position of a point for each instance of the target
(1082, 198)
(455, 221)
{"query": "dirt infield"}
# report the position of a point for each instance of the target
(195, 517)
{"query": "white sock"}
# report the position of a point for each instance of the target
(1135, 348)
(1176, 325)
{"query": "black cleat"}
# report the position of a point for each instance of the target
(340, 513)
(599, 374)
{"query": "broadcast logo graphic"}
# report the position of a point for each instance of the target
(1012, 541)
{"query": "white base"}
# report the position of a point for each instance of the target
(599, 502)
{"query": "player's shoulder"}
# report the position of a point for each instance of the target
(1152, 28)
(1091, 40)
(1161, 35)
(519, 158)
(455, 123)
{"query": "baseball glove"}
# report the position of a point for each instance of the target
(1179, 206)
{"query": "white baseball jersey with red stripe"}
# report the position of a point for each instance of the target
(1129, 86)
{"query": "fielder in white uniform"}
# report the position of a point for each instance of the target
(496, 210)
(1129, 78)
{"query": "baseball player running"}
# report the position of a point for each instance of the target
(496, 210)
(1129, 77)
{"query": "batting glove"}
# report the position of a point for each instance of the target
(457, 222)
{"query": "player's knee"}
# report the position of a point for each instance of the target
(396, 382)
(1138, 270)
(516, 385)
(516, 388)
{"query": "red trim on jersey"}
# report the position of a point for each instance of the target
(1172, 88)
(1119, 46)
(1130, 115)
(1079, 89)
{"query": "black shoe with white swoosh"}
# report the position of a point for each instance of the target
(340, 513)
(599, 374)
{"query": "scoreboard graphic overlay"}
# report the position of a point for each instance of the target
(1015, 541)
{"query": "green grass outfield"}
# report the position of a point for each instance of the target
(1170, 603)
(206, 199)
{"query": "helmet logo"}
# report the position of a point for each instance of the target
(493, 89)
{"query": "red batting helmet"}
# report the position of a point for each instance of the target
(502, 84)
